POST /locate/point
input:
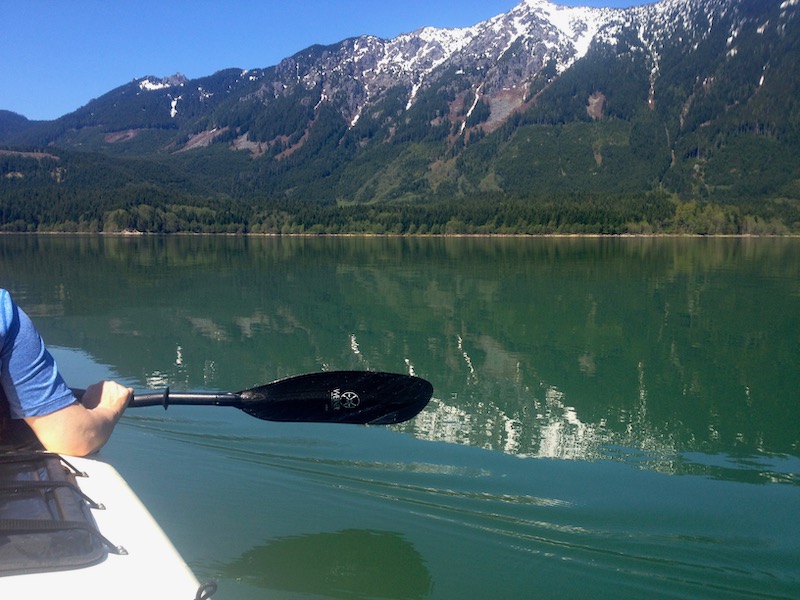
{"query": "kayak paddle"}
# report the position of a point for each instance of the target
(366, 397)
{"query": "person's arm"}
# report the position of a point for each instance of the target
(83, 428)
(34, 390)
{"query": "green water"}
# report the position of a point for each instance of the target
(612, 418)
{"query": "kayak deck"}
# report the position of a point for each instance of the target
(150, 566)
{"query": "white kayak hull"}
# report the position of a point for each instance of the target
(151, 567)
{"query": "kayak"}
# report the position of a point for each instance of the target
(72, 527)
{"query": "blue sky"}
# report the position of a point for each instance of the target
(56, 55)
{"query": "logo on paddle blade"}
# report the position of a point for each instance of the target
(340, 399)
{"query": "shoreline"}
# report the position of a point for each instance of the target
(138, 234)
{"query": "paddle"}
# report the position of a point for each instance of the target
(372, 397)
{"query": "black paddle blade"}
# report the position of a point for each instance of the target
(339, 397)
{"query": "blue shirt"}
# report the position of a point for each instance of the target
(28, 374)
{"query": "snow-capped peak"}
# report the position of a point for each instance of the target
(578, 24)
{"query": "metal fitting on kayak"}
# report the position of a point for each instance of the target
(205, 591)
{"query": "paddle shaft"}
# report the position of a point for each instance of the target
(168, 398)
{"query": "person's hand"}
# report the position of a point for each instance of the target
(107, 395)
(83, 427)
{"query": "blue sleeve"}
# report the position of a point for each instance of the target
(28, 373)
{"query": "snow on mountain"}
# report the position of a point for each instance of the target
(567, 32)
(152, 84)
(579, 25)
(531, 35)
(498, 57)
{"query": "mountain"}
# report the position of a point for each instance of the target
(11, 124)
(679, 115)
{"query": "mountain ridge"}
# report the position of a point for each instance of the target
(542, 101)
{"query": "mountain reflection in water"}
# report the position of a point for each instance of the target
(645, 349)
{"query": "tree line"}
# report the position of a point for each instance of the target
(654, 213)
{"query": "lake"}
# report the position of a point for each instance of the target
(612, 417)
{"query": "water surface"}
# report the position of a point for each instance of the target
(612, 418)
